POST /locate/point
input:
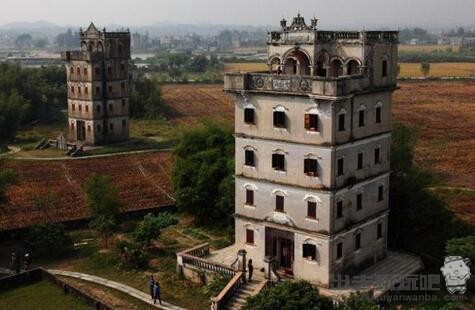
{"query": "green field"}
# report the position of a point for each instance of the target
(39, 296)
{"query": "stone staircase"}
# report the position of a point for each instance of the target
(245, 291)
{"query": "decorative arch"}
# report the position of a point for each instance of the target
(83, 46)
(353, 66)
(312, 198)
(274, 63)
(280, 108)
(322, 63)
(250, 186)
(281, 192)
(336, 66)
(297, 61)
(100, 47)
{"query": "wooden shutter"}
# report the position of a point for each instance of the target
(307, 121)
(249, 197)
(249, 236)
(312, 209)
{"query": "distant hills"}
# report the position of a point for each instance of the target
(29, 25)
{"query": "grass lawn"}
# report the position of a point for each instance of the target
(39, 296)
(91, 258)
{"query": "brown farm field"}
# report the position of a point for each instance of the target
(442, 112)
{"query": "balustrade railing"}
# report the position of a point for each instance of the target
(229, 290)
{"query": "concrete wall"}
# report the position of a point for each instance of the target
(327, 158)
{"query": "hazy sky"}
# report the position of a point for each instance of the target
(256, 12)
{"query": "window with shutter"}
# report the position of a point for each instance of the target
(312, 209)
(249, 236)
(249, 160)
(249, 197)
(249, 116)
(311, 122)
(279, 203)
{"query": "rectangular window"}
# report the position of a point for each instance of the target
(339, 209)
(111, 107)
(123, 102)
(311, 122)
(111, 127)
(71, 70)
(381, 193)
(88, 128)
(109, 70)
(309, 251)
(378, 115)
(98, 71)
(310, 167)
(357, 241)
(360, 161)
(79, 89)
(86, 90)
(72, 89)
(312, 209)
(249, 197)
(279, 119)
(359, 201)
(249, 236)
(377, 156)
(98, 91)
(73, 107)
(80, 108)
(380, 231)
(85, 71)
(99, 128)
(124, 123)
(87, 108)
(339, 250)
(361, 118)
(110, 89)
(278, 162)
(249, 116)
(340, 167)
(249, 158)
(341, 122)
(385, 68)
(122, 85)
(98, 109)
(122, 67)
(78, 71)
(279, 203)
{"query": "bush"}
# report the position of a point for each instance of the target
(358, 301)
(213, 288)
(132, 256)
(47, 240)
(151, 226)
(289, 295)
(464, 247)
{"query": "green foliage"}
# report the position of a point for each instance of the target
(47, 240)
(132, 255)
(202, 174)
(425, 68)
(195, 233)
(150, 228)
(12, 111)
(464, 247)
(213, 288)
(8, 177)
(415, 210)
(103, 201)
(358, 301)
(145, 98)
(289, 295)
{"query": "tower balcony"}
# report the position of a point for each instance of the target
(81, 56)
(295, 84)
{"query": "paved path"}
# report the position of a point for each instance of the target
(117, 286)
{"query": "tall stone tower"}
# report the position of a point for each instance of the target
(312, 150)
(98, 87)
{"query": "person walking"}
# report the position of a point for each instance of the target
(12, 262)
(151, 284)
(156, 293)
(27, 261)
(250, 268)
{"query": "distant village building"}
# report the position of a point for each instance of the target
(312, 151)
(98, 87)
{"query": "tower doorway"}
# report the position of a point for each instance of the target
(81, 131)
(280, 245)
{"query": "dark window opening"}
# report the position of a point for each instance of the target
(378, 115)
(87, 108)
(111, 107)
(80, 108)
(361, 118)
(98, 71)
(86, 90)
(341, 122)
(88, 128)
(111, 127)
(380, 231)
(278, 162)
(340, 167)
(99, 128)
(73, 107)
(98, 108)
(377, 156)
(122, 67)
(279, 203)
(122, 85)
(339, 209)
(381, 193)
(385, 68)
(311, 122)
(123, 102)
(279, 119)
(249, 116)
(85, 71)
(339, 250)
(309, 251)
(358, 241)
(109, 70)
(312, 209)
(98, 90)
(311, 167)
(359, 201)
(78, 71)
(71, 70)
(110, 89)
(249, 161)
(360, 161)
(249, 236)
(72, 89)
(249, 197)
(124, 123)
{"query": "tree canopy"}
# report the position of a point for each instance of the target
(151, 226)
(203, 173)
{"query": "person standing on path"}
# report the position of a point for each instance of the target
(250, 267)
(156, 293)
(151, 284)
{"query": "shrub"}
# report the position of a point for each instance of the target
(289, 295)
(358, 301)
(464, 247)
(151, 226)
(47, 240)
(214, 287)
(132, 255)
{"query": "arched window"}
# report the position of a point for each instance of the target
(322, 64)
(353, 67)
(337, 68)
(310, 251)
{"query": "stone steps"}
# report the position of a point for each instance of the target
(245, 291)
